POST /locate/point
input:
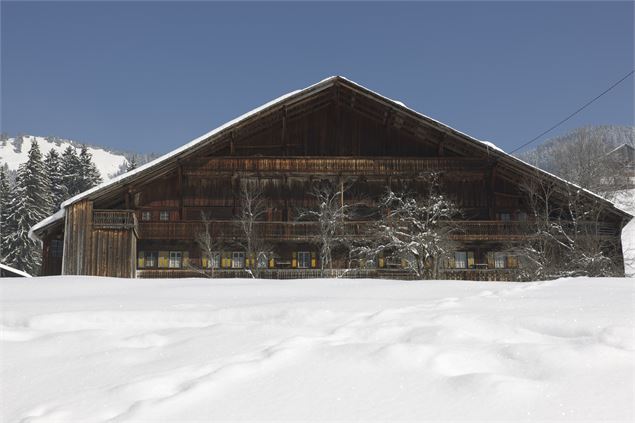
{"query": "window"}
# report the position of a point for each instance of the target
(500, 260)
(506, 217)
(151, 258)
(522, 216)
(57, 248)
(238, 260)
(164, 215)
(262, 260)
(175, 260)
(214, 261)
(304, 259)
(146, 215)
(460, 260)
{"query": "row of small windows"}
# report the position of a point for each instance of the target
(496, 260)
(223, 260)
(164, 215)
(300, 260)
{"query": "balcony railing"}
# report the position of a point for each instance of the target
(114, 219)
(336, 165)
(449, 274)
(467, 230)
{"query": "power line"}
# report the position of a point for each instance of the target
(574, 113)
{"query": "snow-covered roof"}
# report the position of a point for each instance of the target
(129, 176)
(58, 215)
(16, 271)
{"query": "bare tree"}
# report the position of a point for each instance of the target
(567, 236)
(208, 243)
(331, 215)
(253, 207)
(586, 157)
(414, 229)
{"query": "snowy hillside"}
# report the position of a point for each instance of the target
(100, 349)
(13, 151)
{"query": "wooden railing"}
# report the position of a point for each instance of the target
(114, 219)
(334, 165)
(449, 274)
(481, 274)
(304, 230)
(467, 230)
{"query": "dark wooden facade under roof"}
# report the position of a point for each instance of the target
(145, 223)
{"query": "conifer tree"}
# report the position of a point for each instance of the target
(53, 167)
(5, 198)
(132, 164)
(89, 174)
(71, 171)
(29, 205)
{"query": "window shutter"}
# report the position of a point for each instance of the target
(204, 262)
(225, 261)
(163, 258)
(140, 259)
(313, 260)
(490, 260)
(186, 258)
(470, 259)
(294, 260)
(272, 263)
(381, 262)
(512, 262)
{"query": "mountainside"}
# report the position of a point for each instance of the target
(585, 157)
(13, 152)
(548, 154)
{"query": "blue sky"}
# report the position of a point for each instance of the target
(150, 76)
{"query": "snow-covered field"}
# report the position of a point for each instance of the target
(103, 349)
(107, 163)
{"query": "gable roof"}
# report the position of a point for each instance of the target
(196, 145)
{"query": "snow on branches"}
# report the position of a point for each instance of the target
(414, 229)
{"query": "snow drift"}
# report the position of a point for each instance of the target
(102, 349)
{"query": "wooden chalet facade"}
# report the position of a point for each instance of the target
(144, 223)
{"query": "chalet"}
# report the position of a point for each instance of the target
(145, 223)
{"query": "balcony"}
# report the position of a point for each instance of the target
(114, 219)
(468, 230)
(332, 165)
(289, 231)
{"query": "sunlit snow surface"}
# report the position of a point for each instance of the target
(108, 163)
(100, 349)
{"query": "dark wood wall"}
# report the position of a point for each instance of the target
(94, 251)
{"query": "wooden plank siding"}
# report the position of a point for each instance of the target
(78, 239)
(106, 247)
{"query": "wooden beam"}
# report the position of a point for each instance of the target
(283, 135)
(441, 151)
(180, 189)
(491, 196)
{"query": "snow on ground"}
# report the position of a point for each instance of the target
(625, 200)
(107, 163)
(104, 349)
